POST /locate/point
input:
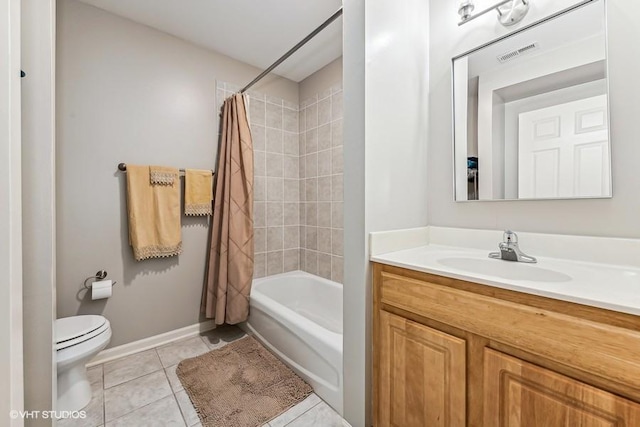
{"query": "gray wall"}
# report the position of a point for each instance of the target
(38, 205)
(128, 93)
(608, 217)
(356, 294)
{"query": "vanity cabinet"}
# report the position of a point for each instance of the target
(522, 394)
(422, 374)
(455, 353)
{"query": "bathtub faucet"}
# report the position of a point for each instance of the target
(510, 251)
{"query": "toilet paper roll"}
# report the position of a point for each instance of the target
(101, 289)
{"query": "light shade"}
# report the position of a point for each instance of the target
(465, 8)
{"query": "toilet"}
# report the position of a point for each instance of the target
(78, 340)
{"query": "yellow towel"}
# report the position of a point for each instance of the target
(163, 175)
(197, 192)
(154, 215)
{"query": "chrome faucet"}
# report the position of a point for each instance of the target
(510, 251)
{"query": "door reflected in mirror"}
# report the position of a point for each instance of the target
(531, 114)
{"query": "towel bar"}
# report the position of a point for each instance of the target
(122, 167)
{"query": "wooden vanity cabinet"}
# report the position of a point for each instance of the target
(454, 353)
(422, 374)
(522, 394)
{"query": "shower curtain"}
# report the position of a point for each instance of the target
(225, 296)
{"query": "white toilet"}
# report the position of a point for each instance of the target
(78, 339)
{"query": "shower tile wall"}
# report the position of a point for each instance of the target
(321, 185)
(297, 183)
(274, 128)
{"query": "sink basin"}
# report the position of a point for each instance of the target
(504, 269)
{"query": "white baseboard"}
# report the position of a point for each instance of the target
(151, 342)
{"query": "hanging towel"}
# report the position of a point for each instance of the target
(197, 192)
(163, 175)
(154, 214)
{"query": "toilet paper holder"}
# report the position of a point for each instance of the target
(100, 275)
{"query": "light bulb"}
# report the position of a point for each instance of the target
(465, 9)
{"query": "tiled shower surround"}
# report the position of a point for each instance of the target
(321, 188)
(298, 214)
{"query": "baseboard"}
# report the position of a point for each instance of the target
(151, 342)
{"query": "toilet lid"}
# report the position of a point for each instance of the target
(76, 329)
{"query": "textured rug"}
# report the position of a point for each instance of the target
(240, 385)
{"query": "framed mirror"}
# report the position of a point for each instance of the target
(530, 112)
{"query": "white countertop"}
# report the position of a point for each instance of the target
(606, 286)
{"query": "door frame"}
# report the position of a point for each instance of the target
(11, 365)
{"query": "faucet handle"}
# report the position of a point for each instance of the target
(509, 237)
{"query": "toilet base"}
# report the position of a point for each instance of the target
(74, 389)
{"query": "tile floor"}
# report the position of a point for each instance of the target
(143, 390)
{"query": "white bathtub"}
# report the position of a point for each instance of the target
(298, 316)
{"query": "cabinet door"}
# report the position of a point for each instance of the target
(421, 375)
(519, 394)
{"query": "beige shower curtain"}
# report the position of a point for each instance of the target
(225, 295)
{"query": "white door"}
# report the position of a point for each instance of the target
(563, 150)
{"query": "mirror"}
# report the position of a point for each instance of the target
(531, 112)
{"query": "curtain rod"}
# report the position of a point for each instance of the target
(291, 51)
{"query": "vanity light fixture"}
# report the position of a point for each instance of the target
(510, 12)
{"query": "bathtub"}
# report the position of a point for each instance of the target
(298, 316)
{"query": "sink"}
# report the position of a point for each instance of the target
(504, 269)
(608, 286)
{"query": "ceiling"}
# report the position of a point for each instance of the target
(254, 32)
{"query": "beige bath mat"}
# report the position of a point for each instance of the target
(240, 385)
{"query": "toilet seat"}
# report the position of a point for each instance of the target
(71, 331)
